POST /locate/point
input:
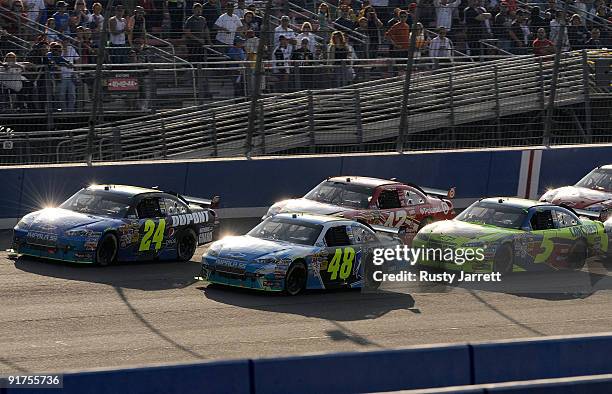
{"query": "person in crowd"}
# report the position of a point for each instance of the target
(280, 63)
(558, 30)
(325, 21)
(340, 55)
(80, 16)
(444, 13)
(14, 80)
(577, 34)
(249, 22)
(61, 18)
(344, 22)
(36, 10)
(96, 24)
(14, 21)
(284, 30)
(421, 42)
(307, 33)
(117, 26)
(240, 9)
(520, 34)
(362, 47)
(536, 20)
(501, 27)
(399, 36)
(155, 14)
(595, 41)
(251, 46)
(441, 48)
(50, 31)
(197, 35)
(475, 26)
(67, 85)
(374, 31)
(303, 65)
(211, 11)
(237, 53)
(541, 45)
(137, 25)
(176, 9)
(550, 12)
(227, 25)
(394, 19)
(87, 55)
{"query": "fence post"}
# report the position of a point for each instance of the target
(163, 132)
(497, 106)
(262, 127)
(542, 85)
(587, 95)
(117, 148)
(213, 130)
(311, 125)
(358, 120)
(451, 101)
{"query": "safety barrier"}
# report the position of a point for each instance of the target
(382, 370)
(248, 186)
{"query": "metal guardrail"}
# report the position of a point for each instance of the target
(364, 114)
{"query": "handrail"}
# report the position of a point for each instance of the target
(33, 25)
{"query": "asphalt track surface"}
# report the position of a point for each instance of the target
(58, 317)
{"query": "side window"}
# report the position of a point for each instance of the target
(564, 219)
(389, 199)
(175, 207)
(362, 235)
(411, 197)
(337, 236)
(149, 208)
(542, 220)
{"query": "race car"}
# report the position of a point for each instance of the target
(592, 193)
(103, 224)
(293, 252)
(380, 202)
(511, 234)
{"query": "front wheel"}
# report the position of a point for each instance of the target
(502, 261)
(106, 252)
(186, 245)
(295, 280)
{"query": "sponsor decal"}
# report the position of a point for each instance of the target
(183, 220)
(89, 245)
(231, 264)
(44, 238)
(122, 84)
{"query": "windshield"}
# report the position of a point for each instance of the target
(494, 214)
(287, 230)
(98, 202)
(342, 194)
(598, 179)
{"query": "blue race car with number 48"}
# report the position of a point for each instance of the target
(107, 223)
(293, 252)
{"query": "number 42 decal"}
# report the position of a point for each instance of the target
(157, 233)
(341, 264)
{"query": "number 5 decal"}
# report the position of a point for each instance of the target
(343, 270)
(150, 230)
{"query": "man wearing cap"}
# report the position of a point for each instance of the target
(197, 34)
(61, 17)
(280, 63)
(227, 25)
(303, 55)
(237, 53)
(284, 30)
(399, 36)
(137, 25)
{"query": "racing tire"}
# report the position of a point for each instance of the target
(577, 256)
(186, 245)
(503, 260)
(295, 280)
(106, 252)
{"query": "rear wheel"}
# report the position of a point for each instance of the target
(106, 252)
(295, 280)
(503, 260)
(577, 256)
(186, 245)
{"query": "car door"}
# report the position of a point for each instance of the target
(569, 231)
(340, 268)
(392, 211)
(541, 238)
(153, 224)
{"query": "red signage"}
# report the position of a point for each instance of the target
(122, 84)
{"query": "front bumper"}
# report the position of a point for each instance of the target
(64, 249)
(241, 278)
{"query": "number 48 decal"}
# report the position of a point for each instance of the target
(341, 264)
(150, 230)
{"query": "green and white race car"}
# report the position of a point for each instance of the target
(510, 234)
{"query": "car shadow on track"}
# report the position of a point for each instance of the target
(333, 305)
(149, 276)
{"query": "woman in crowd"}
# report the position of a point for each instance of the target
(307, 33)
(374, 30)
(325, 21)
(340, 55)
(577, 33)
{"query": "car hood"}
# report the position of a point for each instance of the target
(457, 232)
(578, 197)
(302, 205)
(249, 248)
(58, 220)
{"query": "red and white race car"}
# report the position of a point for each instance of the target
(381, 202)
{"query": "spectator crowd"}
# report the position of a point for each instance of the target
(44, 39)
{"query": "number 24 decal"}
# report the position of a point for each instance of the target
(341, 266)
(150, 230)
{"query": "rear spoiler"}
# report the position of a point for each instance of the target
(583, 212)
(203, 202)
(450, 193)
(387, 230)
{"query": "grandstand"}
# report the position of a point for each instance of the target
(176, 85)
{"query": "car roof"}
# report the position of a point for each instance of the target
(606, 167)
(362, 180)
(125, 190)
(310, 218)
(515, 202)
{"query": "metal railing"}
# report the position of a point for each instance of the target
(466, 105)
